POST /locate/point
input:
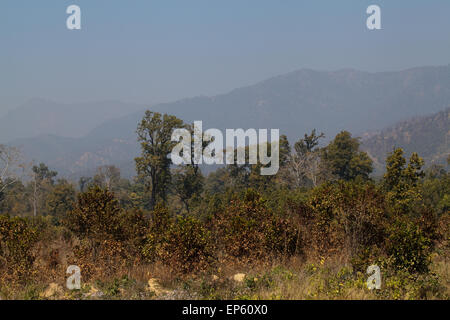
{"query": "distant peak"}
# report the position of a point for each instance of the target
(39, 100)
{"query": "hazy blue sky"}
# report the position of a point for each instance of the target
(153, 51)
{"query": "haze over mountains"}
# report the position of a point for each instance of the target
(76, 139)
(40, 117)
(427, 135)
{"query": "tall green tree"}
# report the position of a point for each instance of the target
(187, 183)
(308, 143)
(265, 182)
(344, 158)
(285, 150)
(187, 180)
(401, 181)
(43, 173)
(153, 166)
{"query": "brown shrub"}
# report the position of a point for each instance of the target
(17, 240)
(183, 244)
(247, 231)
(110, 238)
(347, 215)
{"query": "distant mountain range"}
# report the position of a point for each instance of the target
(295, 103)
(42, 117)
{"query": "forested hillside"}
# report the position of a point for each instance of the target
(295, 103)
(309, 231)
(427, 135)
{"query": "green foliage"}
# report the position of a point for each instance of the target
(347, 215)
(333, 284)
(285, 150)
(427, 135)
(345, 160)
(188, 184)
(61, 199)
(14, 199)
(153, 166)
(435, 190)
(308, 143)
(236, 218)
(401, 183)
(408, 247)
(43, 173)
(400, 284)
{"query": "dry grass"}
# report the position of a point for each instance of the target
(293, 279)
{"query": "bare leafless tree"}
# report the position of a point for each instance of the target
(305, 164)
(107, 176)
(11, 166)
(306, 168)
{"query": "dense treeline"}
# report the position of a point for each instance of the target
(322, 204)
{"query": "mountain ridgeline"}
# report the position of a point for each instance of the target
(427, 135)
(295, 103)
(45, 117)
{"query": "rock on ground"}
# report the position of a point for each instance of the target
(53, 290)
(239, 277)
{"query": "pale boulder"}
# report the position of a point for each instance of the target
(53, 290)
(154, 286)
(239, 277)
